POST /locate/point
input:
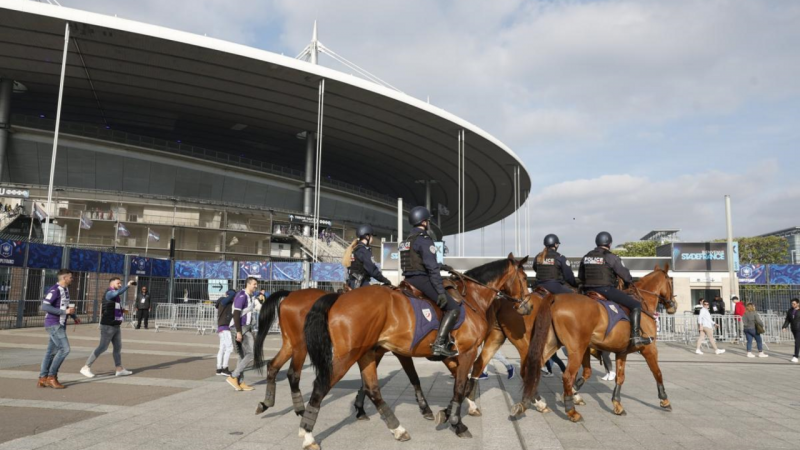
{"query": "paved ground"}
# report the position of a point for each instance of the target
(173, 400)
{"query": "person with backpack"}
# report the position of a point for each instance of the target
(224, 317)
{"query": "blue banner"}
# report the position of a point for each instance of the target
(41, 256)
(189, 269)
(752, 274)
(784, 274)
(112, 263)
(219, 270)
(255, 269)
(81, 260)
(140, 266)
(287, 271)
(333, 272)
(160, 268)
(12, 253)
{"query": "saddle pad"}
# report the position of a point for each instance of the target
(615, 314)
(426, 318)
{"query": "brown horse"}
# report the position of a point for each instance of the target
(341, 325)
(291, 308)
(579, 322)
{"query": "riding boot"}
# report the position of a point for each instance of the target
(636, 339)
(441, 346)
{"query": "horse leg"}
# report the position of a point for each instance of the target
(650, 353)
(616, 397)
(273, 367)
(490, 347)
(535, 401)
(369, 376)
(295, 369)
(411, 371)
(567, 378)
(361, 414)
(453, 412)
(309, 418)
(587, 373)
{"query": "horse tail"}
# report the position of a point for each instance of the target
(266, 317)
(533, 364)
(318, 341)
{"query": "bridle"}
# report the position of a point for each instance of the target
(669, 301)
(499, 294)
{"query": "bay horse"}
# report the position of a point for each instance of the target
(354, 325)
(579, 323)
(291, 309)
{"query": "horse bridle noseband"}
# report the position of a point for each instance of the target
(668, 300)
(498, 293)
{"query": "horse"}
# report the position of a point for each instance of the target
(291, 308)
(341, 325)
(579, 322)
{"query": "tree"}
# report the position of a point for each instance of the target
(762, 250)
(637, 248)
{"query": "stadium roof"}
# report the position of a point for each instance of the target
(173, 85)
(658, 235)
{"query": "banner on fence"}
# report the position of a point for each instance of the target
(331, 272)
(41, 256)
(784, 274)
(255, 269)
(219, 269)
(12, 253)
(81, 260)
(140, 266)
(112, 263)
(160, 268)
(752, 274)
(287, 271)
(189, 269)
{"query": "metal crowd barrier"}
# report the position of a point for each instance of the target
(729, 328)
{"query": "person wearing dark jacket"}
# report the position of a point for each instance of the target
(552, 268)
(793, 323)
(143, 308)
(362, 265)
(717, 306)
(110, 332)
(224, 318)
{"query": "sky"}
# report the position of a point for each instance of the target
(630, 115)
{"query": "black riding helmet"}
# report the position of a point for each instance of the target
(418, 214)
(551, 240)
(603, 239)
(364, 230)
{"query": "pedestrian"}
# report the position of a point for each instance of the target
(499, 356)
(224, 318)
(143, 306)
(548, 365)
(738, 311)
(717, 306)
(110, 332)
(56, 305)
(753, 329)
(243, 307)
(707, 325)
(793, 323)
(610, 374)
(698, 306)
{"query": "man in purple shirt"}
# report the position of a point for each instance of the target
(243, 308)
(110, 332)
(56, 305)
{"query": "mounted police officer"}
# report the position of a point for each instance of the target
(421, 270)
(599, 271)
(362, 265)
(552, 268)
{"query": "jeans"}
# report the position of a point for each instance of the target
(796, 343)
(57, 350)
(558, 361)
(108, 334)
(247, 346)
(751, 334)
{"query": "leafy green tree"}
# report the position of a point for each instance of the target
(762, 250)
(637, 248)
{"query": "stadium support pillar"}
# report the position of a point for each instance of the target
(308, 189)
(731, 273)
(399, 220)
(55, 138)
(6, 88)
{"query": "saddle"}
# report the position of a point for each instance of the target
(602, 298)
(409, 290)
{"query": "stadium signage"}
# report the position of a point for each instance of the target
(308, 220)
(14, 192)
(697, 257)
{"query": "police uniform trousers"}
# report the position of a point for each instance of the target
(554, 287)
(424, 284)
(616, 296)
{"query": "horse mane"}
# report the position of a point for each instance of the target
(489, 271)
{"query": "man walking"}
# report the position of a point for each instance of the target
(142, 308)
(110, 332)
(243, 307)
(56, 305)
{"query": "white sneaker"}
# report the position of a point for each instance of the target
(698, 352)
(719, 352)
(612, 376)
(750, 355)
(605, 377)
(87, 372)
(548, 375)
(124, 373)
(763, 355)
(794, 360)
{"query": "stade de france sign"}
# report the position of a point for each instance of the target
(14, 192)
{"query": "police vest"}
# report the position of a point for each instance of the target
(596, 271)
(548, 269)
(356, 265)
(410, 260)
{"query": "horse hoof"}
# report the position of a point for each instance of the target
(579, 401)
(402, 437)
(440, 418)
(464, 434)
(313, 446)
(475, 412)
(261, 408)
(300, 413)
(667, 407)
(575, 417)
(362, 416)
(518, 410)
(427, 415)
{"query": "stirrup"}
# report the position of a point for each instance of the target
(443, 349)
(637, 341)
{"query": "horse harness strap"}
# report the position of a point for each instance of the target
(500, 294)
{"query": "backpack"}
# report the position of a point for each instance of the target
(348, 254)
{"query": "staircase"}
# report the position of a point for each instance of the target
(325, 252)
(6, 219)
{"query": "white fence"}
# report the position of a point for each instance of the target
(201, 317)
(684, 328)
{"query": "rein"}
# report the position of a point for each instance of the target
(498, 293)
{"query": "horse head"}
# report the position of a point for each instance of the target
(661, 288)
(506, 277)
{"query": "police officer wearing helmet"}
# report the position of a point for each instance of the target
(552, 268)
(362, 265)
(599, 271)
(421, 270)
